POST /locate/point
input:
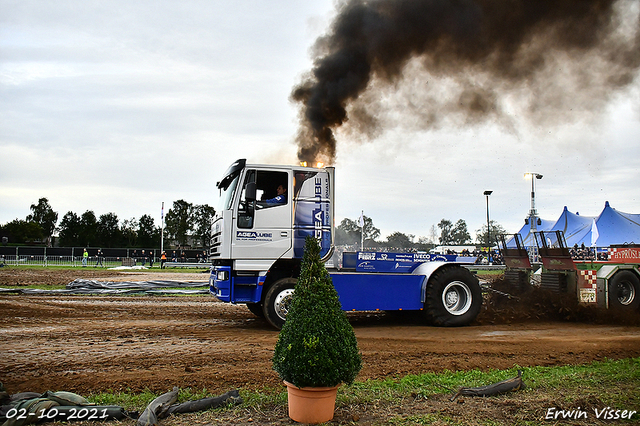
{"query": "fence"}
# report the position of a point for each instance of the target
(107, 262)
(112, 257)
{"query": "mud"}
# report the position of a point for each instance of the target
(92, 344)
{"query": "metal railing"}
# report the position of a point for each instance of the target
(111, 257)
(69, 261)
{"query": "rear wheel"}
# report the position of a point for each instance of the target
(624, 291)
(277, 301)
(454, 297)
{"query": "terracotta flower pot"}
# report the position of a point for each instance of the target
(311, 404)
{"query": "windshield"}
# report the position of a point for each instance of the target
(229, 183)
(228, 190)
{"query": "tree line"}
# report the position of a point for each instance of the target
(186, 224)
(349, 232)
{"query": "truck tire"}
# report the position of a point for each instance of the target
(277, 300)
(454, 297)
(624, 291)
(256, 309)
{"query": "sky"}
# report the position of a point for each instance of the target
(120, 106)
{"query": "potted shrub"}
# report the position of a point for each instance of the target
(317, 349)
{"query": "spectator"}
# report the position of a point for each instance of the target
(99, 257)
(85, 256)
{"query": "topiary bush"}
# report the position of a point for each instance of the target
(316, 346)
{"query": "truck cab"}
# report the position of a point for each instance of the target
(257, 231)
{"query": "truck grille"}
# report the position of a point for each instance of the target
(216, 241)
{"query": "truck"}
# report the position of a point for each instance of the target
(610, 279)
(264, 215)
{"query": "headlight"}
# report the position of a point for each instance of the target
(222, 275)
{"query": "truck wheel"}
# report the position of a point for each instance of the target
(454, 297)
(624, 291)
(256, 309)
(277, 301)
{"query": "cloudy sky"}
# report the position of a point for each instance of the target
(119, 106)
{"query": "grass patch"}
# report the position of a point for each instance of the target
(139, 401)
(487, 273)
(36, 286)
(424, 399)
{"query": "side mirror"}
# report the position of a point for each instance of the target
(250, 192)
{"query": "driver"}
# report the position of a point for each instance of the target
(280, 198)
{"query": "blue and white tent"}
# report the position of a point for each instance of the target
(574, 226)
(611, 227)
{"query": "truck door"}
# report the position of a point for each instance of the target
(263, 223)
(313, 210)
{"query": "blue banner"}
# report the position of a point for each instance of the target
(402, 262)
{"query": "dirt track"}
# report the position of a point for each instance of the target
(89, 344)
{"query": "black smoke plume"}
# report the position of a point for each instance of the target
(474, 56)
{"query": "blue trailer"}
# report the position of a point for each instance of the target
(264, 216)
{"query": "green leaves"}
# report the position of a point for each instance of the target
(317, 345)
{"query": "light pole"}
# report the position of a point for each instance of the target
(162, 229)
(487, 193)
(533, 213)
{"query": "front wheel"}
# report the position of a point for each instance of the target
(278, 300)
(454, 297)
(624, 291)
(256, 309)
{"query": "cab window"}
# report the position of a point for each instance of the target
(271, 190)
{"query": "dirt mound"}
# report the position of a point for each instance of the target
(538, 304)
